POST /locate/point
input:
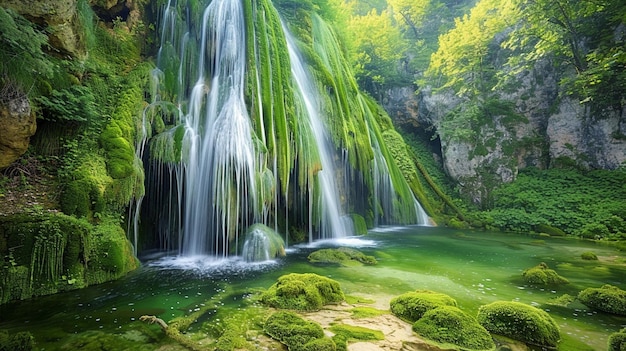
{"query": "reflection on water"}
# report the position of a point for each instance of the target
(473, 267)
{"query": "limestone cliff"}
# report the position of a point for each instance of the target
(547, 129)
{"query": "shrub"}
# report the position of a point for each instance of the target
(617, 341)
(520, 322)
(608, 298)
(411, 306)
(543, 275)
(589, 256)
(292, 330)
(450, 325)
(343, 256)
(22, 341)
(304, 292)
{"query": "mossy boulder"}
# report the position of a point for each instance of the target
(451, 327)
(305, 292)
(411, 306)
(297, 333)
(342, 256)
(262, 243)
(617, 341)
(543, 275)
(589, 256)
(520, 321)
(607, 298)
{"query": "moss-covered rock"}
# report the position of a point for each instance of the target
(295, 332)
(411, 306)
(262, 243)
(450, 326)
(543, 275)
(50, 253)
(520, 322)
(303, 292)
(617, 341)
(342, 256)
(589, 256)
(550, 230)
(607, 298)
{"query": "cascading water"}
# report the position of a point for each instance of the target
(334, 222)
(231, 100)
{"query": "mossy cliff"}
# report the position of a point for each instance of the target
(64, 201)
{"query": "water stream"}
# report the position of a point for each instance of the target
(475, 268)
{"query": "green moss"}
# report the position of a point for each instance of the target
(607, 298)
(292, 330)
(22, 341)
(411, 306)
(543, 275)
(360, 227)
(617, 341)
(110, 254)
(548, 229)
(343, 256)
(345, 333)
(448, 325)
(589, 256)
(520, 322)
(366, 312)
(302, 292)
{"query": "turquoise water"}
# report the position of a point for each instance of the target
(475, 268)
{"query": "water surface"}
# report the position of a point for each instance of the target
(475, 268)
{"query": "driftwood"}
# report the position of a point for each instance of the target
(153, 320)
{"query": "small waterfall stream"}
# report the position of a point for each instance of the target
(334, 222)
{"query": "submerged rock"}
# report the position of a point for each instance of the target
(342, 256)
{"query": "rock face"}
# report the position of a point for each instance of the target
(17, 125)
(60, 16)
(545, 130)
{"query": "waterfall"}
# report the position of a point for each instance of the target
(334, 223)
(236, 114)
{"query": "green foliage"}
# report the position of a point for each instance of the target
(304, 292)
(76, 103)
(589, 256)
(586, 204)
(449, 325)
(343, 256)
(412, 306)
(22, 55)
(345, 333)
(543, 275)
(617, 341)
(292, 330)
(520, 322)
(607, 298)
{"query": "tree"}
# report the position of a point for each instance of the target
(376, 48)
(462, 59)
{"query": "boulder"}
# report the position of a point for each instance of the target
(17, 125)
